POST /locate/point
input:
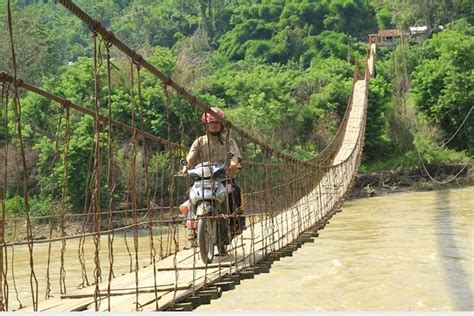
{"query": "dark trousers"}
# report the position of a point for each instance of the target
(234, 195)
(234, 199)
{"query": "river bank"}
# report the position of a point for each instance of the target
(408, 180)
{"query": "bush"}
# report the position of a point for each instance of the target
(39, 206)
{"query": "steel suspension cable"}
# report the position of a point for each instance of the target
(459, 127)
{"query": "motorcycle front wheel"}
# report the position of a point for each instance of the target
(206, 234)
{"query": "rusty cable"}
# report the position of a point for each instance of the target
(171, 190)
(86, 214)
(111, 177)
(3, 254)
(17, 111)
(147, 189)
(131, 187)
(56, 154)
(62, 271)
(96, 192)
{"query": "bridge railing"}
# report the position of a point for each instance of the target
(97, 198)
(128, 205)
(327, 154)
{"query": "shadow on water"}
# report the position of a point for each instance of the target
(456, 275)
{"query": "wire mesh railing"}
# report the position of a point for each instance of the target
(112, 222)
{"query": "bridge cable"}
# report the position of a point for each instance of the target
(147, 187)
(111, 176)
(97, 172)
(17, 112)
(52, 194)
(86, 218)
(459, 128)
(3, 252)
(67, 138)
(15, 233)
(132, 180)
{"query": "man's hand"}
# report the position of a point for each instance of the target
(234, 166)
(184, 170)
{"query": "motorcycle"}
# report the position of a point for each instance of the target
(205, 208)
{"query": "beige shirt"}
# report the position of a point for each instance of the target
(210, 149)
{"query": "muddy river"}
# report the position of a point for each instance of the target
(400, 252)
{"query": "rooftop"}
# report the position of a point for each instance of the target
(391, 33)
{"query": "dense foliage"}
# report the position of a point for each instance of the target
(443, 83)
(281, 69)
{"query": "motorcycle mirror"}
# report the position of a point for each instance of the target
(183, 162)
(230, 155)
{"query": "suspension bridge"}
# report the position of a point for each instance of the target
(129, 251)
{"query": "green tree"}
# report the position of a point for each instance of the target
(431, 13)
(34, 49)
(355, 17)
(443, 83)
(380, 95)
(307, 15)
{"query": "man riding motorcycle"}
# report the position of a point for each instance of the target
(215, 146)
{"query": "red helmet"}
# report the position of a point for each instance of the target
(208, 117)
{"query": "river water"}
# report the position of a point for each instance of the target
(400, 252)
